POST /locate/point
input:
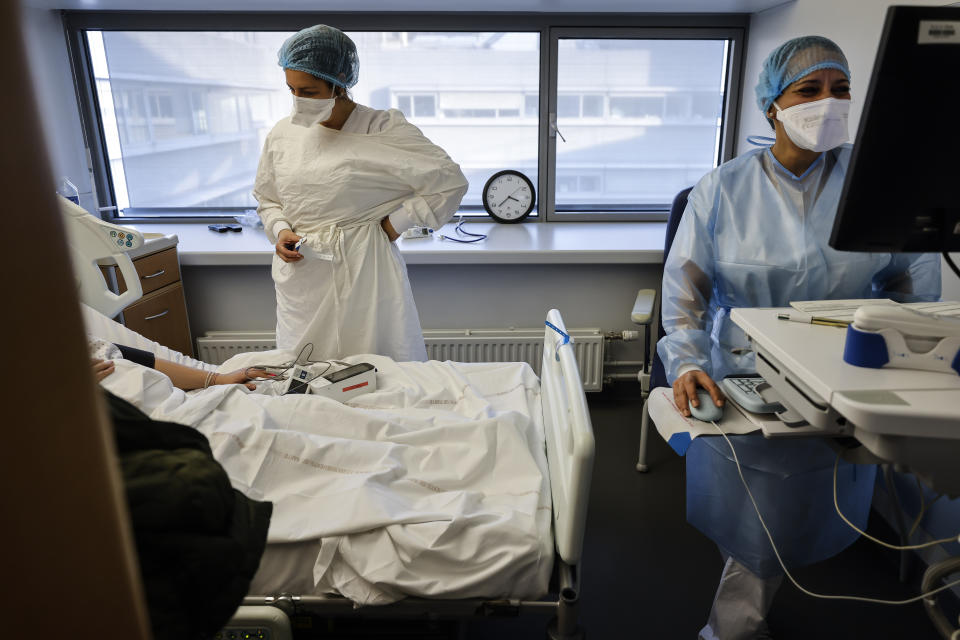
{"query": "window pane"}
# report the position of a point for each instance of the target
(636, 107)
(660, 131)
(531, 106)
(592, 106)
(185, 114)
(424, 106)
(568, 106)
(707, 105)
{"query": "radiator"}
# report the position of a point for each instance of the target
(516, 345)
(216, 347)
(469, 345)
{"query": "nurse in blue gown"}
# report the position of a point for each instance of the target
(754, 234)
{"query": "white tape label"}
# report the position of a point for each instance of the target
(939, 32)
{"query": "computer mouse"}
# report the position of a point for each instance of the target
(707, 411)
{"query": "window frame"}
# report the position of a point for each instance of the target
(733, 75)
(551, 27)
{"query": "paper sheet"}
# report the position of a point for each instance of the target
(843, 310)
(837, 310)
(679, 431)
(944, 309)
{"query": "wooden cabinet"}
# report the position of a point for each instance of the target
(156, 270)
(161, 314)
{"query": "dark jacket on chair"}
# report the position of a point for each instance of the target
(199, 541)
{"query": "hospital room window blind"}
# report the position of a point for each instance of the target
(607, 122)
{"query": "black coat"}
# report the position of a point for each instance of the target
(199, 541)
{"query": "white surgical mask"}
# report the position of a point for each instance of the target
(817, 126)
(310, 111)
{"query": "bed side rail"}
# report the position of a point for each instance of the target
(569, 435)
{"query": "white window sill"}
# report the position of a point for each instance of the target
(532, 243)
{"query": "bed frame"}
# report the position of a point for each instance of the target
(570, 451)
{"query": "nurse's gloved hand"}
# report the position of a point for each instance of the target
(284, 247)
(685, 390)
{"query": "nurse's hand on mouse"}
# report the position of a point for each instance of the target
(685, 390)
(284, 247)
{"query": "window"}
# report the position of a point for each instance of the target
(580, 106)
(178, 115)
(417, 106)
(636, 107)
(531, 106)
(591, 106)
(646, 127)
(193, 108)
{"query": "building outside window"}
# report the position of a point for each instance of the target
(184, 114)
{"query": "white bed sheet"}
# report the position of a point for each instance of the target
(435, 485)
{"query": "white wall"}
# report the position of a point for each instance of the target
(448, 297)
(855, 25)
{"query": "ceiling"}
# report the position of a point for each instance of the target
(442, 6)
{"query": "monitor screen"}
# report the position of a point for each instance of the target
(902, 188)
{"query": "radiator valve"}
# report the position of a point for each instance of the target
(627, 335)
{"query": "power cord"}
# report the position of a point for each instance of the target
(786, 572)
(924, 505)
(951, 263)
(279, 376)
(473, 237)
(836, 506)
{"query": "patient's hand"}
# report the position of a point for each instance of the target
(685, 390)
(101, 368)
(241, 376)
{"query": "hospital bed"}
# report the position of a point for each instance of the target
(283, 583)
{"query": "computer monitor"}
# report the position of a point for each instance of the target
(902, 189)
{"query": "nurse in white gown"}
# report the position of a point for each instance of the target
(344, 181)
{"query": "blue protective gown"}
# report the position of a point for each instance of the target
(755, 235)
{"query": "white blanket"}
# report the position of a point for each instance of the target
(435, 485)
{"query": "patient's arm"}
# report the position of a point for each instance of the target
(188, 378)
(181, 376)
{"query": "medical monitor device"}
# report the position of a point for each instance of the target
(902, 188)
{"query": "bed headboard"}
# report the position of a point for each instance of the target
(569, 434)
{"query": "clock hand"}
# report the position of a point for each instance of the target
(509, 197)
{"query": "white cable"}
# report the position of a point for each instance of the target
(836, 506)
(787, 572)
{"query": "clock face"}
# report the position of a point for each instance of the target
(508, 196)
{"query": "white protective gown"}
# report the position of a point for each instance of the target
(350, 294)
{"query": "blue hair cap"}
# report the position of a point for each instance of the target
(323, 52)
(793, 60)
